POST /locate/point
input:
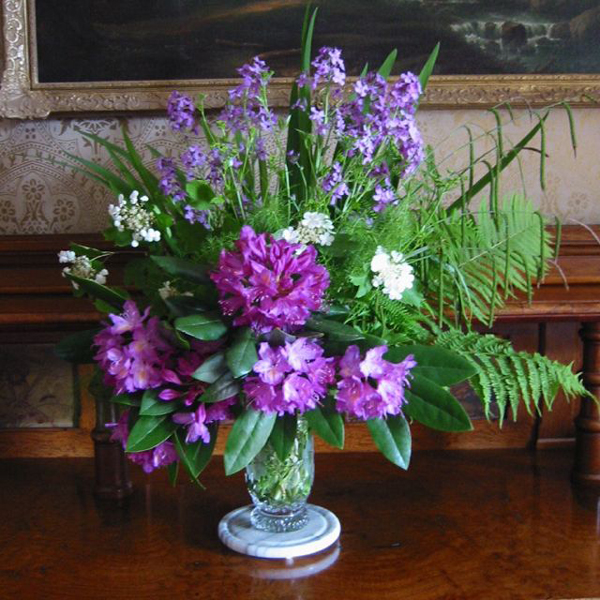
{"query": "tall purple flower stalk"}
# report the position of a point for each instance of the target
(372, 388)
(269, 283)
(289, 378)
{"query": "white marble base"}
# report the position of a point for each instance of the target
(322, 530)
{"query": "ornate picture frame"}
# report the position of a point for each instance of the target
(23, 96)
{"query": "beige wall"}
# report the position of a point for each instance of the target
(38, 196)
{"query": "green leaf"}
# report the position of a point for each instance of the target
(211, 369)
(335, 331)
(126, 400)
(248, 435)
(225, 387)
(386, 67)
(184, 306)
(173, 471)
(392, 437)
(327, 424)
(439, 365)
(241, 356)
(199, 191)
(110, 179)
(428, 67)
(149, 432)
(153, 406)
(283, 435)
(77, 347)
(196, 456)
(435, 407)
(179, 267)
(204, 326)
(113, 297)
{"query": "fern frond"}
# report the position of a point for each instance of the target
(509, 377)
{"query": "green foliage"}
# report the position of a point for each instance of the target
(508, 377)
(392, 437)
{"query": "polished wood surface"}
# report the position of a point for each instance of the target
(489, 525)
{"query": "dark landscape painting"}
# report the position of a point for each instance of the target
(112, 40)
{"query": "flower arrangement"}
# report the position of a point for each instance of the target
(304, 270)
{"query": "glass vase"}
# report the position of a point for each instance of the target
(280, 488)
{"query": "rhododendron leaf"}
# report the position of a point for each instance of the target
(204, 326)
(179, 267)
(152, 405)
(327, 424)
(241, 355)
(114, 298)
(334, 330)
(173, 472)
(438, 365)
(246, 439)
(211, 369)
(196, 456)
(149, 432)
(77, 347)
(283, 435)
(183, 306)
(126, 400)
(435, 407)
(392, 437)
(225, 387)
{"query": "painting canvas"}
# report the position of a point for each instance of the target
(111, 40)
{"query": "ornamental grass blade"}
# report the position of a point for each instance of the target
(241, 356)
(435, 407)
(249, 433)
(385, 70)
(392, 437)
(439, 365)
(427, 69)
(149, 432)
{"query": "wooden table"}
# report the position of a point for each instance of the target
(459, 524)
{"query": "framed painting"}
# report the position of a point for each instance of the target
(65, 56)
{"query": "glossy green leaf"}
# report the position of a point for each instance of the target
(435, 407)
(153, 406)
(439, 365)
(327, 424)
(184, 306)
(211, 369)
(197, 455)
(335, 331)
(112, 297)
(179, 267)
(283, 435)
(77, 347)
(249, 433)
(204, 326)
(126, 400)
(241, 356)
(149, 432)
(225, 387)
(392, 437)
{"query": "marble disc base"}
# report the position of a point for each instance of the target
(321, 531)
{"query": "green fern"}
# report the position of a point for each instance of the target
(510, 377)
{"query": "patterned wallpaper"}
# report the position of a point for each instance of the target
(39, 195)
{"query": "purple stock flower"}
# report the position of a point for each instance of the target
(372, 388)
(334, 182)
(192, 159)
(329, 67)
(180, 110)
(317, 116)
(269, 283)
(169, 183)
(383, 197)
(193, 215)
(163, 455)
(289, 378)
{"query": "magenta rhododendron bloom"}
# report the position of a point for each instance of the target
(289, 378)
(372, 388)
(198, 420)
(269, 283)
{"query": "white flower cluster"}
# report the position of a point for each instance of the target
(80, 266)
(168, 290)
(392, 272)
(131, 215)
(315, 228)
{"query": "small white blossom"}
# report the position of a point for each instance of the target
(315, 228)
(131, 215)
(168, 290)
(393, 274)
(81, 266)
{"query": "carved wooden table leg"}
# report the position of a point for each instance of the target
(112, 472)
(586, 469)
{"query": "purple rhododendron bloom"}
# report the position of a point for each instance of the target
(269, 283)
(372, 388)
(289, 378)
(198, 420)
